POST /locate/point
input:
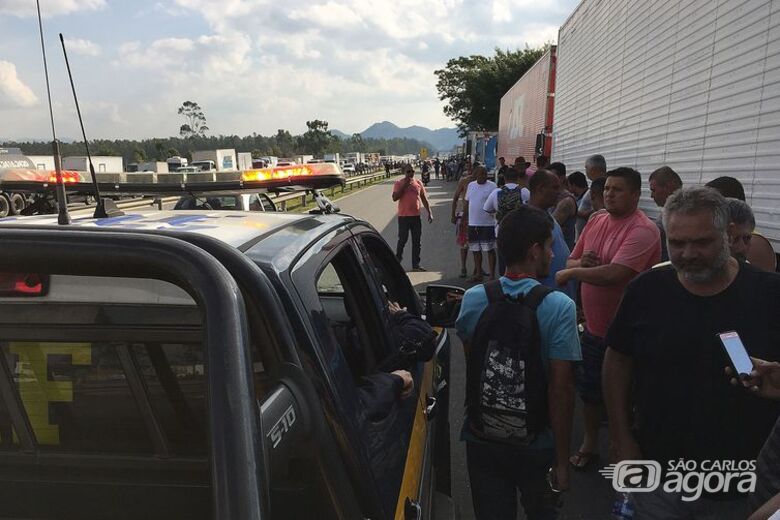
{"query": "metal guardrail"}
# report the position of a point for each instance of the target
(281, 200)
(303, 196)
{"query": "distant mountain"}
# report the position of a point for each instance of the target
(442, 139)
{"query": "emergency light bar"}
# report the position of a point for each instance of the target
(313, 176)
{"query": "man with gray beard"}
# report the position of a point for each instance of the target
(664, 360)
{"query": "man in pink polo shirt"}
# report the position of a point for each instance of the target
(614, 247)
(409, 192)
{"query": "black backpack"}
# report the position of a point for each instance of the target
(506, 382)
(414, 340)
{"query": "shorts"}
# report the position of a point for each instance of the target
(482, 238)
(589, 371)
(461, 231)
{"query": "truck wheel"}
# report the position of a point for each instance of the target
(5, 205)
(18, 203)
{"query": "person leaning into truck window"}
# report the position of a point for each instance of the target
(761, 254)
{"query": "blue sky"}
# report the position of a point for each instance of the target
(253, 65)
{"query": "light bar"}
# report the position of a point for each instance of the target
(312, 176)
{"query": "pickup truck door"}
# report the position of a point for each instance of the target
(350, 327)
(427, 467)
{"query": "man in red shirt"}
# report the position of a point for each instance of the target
(409, 192)
(615, 246)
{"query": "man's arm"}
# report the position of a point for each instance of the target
(616, 382)
(455, 198)
(603, 275)
(398, 189)
(564, 210)
(424, 199)
(768, 509)
(561, 405)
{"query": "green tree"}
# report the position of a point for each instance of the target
(472, 86)
(285, 143)
(195, 121)
(317, 138)
(173, 152)
(139, 155)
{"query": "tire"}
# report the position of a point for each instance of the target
(18, 203)
(5, 205)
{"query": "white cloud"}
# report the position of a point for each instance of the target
(49, 8)
(331, 14)
(82, 47)
(260, 65)
(13, 92)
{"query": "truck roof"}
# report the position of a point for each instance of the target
(268, 238)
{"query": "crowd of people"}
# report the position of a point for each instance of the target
(626, 312)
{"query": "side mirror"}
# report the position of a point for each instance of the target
(442, 304)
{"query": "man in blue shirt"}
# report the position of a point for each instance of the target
(545, 189)
(497, 471)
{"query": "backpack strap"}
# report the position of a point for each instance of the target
(535, 296)
(494, 291)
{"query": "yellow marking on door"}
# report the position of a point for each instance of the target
(35, 389)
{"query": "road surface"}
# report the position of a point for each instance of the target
(590, 496)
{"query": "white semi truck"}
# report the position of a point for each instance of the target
(220, 160)
(689, 84)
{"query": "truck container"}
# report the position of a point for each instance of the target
(153, 166)
(176, 162)
(303, 159)
(224, 160)
(102, 163)
(686, 84)
(42, 162)
(332, 157)
(244, 160)
(526, 114)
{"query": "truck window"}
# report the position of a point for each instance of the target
(389, 273)
(115, 396)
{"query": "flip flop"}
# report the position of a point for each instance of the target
(463, 273)
(581, 460)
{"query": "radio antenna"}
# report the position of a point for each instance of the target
(63, 218)
(100, 209)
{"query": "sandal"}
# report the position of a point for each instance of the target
(581, 460)
(463, 273)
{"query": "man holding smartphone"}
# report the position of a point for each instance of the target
(409, 192)
(665, 359)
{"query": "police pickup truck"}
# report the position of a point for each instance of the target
(207, 364)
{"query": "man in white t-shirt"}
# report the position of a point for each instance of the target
(505, 199)
(482, 232)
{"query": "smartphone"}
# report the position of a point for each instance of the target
(736, 352)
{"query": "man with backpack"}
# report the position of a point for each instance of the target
(503, 200)
(521, 342)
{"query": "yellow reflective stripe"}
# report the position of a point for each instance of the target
(410, 485)
(36, 391)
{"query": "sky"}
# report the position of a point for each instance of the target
(254, 66)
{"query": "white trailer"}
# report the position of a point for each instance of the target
(153, 166)
(102, 163)
(224, 160)
(244, 160)
(42, 162)
(685, 83)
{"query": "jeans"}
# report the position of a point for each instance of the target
(497, 472)
(406, 224)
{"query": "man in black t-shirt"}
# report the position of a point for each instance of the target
(663, 351)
